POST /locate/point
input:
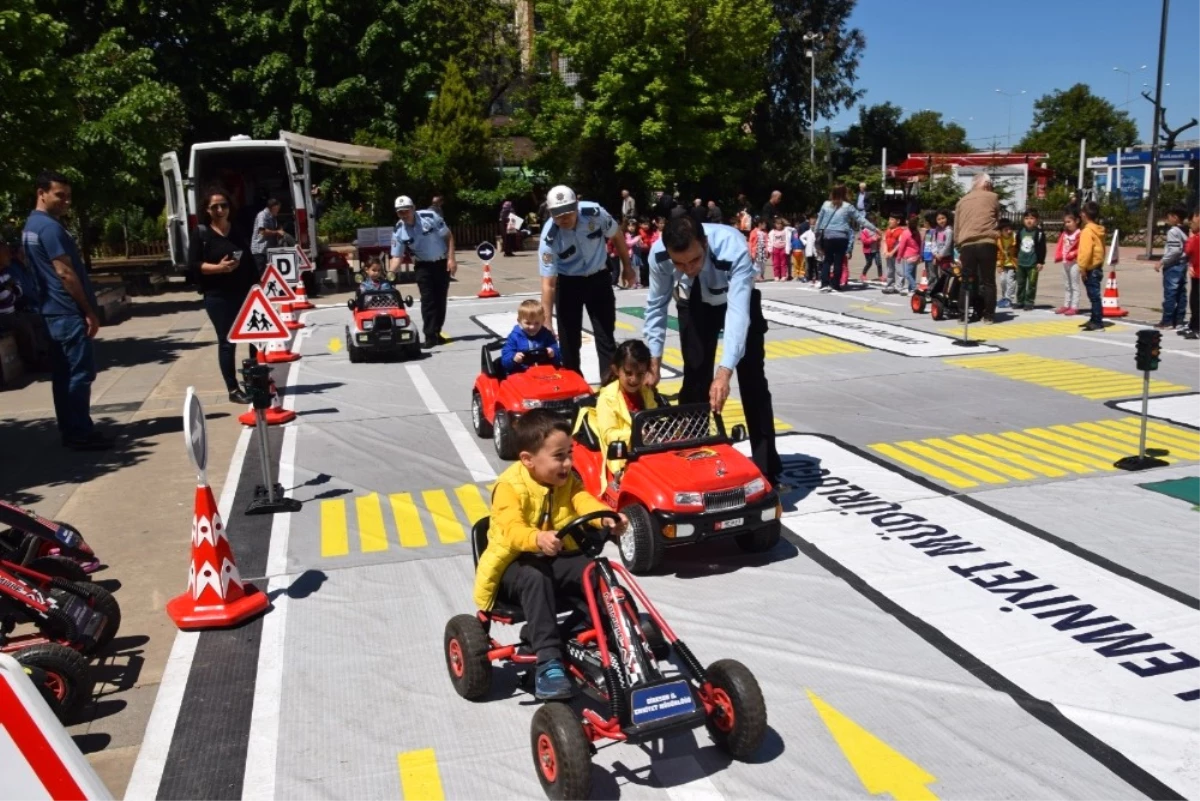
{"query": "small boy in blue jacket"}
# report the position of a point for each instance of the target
(529, 333)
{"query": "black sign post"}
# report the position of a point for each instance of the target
(1149, 348)
(268, 496)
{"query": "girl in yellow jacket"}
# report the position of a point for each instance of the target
(625, 394)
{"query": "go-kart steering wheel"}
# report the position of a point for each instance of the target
(589, 538)
(538, 356)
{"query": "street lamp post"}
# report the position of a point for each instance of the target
(1010, 96)
(809, 38)
(1162, 50)
(1128, 79)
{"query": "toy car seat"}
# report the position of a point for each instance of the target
(585, 425)
(489, 361)
(503, 610)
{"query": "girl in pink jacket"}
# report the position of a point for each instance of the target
(1067, 254)
(908, 254)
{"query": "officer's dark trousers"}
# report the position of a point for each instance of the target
(596, 293)
(699, 325)
(539, 584)
(433, 282)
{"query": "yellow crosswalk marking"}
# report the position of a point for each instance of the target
(1094, 383)
(408, 521)
(624, 326)
(371, 535)
(1047, 328)
(781, 349)
(335, 541)
(1055, 451)
(444, 519)
(419, 777)
(472, 502)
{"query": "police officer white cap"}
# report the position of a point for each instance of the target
(404, 202)
(561, 200)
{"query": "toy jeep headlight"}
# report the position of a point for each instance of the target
(756, 486)
(689, 499)
(368, 325)
(401, 322)
(531, 404)
(582, 397)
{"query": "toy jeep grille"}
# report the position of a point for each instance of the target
(566, 408)
(724, 500)
(680, 425)
(380, 300)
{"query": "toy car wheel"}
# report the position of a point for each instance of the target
(466, 646)
(356, 355)
(641, 544)
(918, 303)
(61, 674)
(506, 443)
(59, 567)
(937, 310)
(738, 723)
(102, 601)
(483, 428)
(764, 539)
(562, 755)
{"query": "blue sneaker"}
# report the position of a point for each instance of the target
(552, 682)
(1004, 303)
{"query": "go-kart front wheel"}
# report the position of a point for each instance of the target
(61, 674)
(356, 354)
(483, 429)
(918, 302)
(562, 755)
(466, 646)
(503, 437)
(738, 724)
(59, 567)
(760, 541)
(937, 310)
(641, 545)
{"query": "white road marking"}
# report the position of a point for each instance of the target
(1086, 338)
(684, 780)
(1181, 409)
(462, 439)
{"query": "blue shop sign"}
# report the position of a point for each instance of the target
(1164, 157)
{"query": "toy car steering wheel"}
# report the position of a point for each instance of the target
(589, 538)
(538, 356)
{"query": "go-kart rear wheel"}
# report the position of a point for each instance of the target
(764, 539)
(483, 428)
(466, 646)
(103, 602)
(506, 443)
(738, 724)
(61, 674)
(641, 544)
(937, 310)
(917, 302)
(356, 354)
(60, 567)
(562, 755)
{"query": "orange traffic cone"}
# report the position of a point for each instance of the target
(288, 314)
(923, 284)
(301, 303)
(1111, 300)
(275, 414)
(216, 596)
(277, 352)
(488, 289)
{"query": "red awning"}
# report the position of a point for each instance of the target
(919, 165)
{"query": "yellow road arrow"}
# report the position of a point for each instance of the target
(335, 344)
(881, 768)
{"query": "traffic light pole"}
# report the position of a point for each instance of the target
(1148, 349)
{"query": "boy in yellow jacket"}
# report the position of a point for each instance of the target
(624, 394)
(524, 558)
(1091, 262)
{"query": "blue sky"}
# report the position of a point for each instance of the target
(953, 61)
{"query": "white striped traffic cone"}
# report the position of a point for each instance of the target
(278, 351)
(301, 303)
(1111, 300)
(288, 314)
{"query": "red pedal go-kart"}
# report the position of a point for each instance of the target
(616, 654)
(683, 483)
(382, 326)
(47, 546)
(499, 399)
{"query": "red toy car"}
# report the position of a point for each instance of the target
(498, 399)
(382, 326)
(683, 483)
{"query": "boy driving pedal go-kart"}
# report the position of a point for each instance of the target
(382, 326)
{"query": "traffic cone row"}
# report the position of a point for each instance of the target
(1111, 299)
(275, 414)
(488, 289)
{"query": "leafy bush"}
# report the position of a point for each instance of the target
(341, 221)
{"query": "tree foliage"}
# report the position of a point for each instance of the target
(1061, 119)
(881, 126)
(927, 132)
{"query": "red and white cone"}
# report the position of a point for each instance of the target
(278, 351)
(216, 596)
(488, 289)
(275, 414)
(288, 314)
(1111, 299)
(301, 303)
(923, 284)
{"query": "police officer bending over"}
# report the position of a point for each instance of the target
(572, 255)
(708, 269)
(426, 236)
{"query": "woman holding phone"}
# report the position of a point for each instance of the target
(220, 263)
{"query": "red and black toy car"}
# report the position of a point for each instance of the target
(616, 654)
(382, 327)
(499, 399)
(683, 483)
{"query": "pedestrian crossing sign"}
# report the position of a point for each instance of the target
(258, 321)
(275, 287)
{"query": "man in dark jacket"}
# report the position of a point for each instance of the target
(714, 213)
(770, 209)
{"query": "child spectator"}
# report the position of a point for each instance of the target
(908, 254)
(624, 393)
(1091, 262)
(631, 246)
(1193, 254)
(1031, 258)
(796, 251)
(943, 245)
(792, 235)
(374, 281)
(1066, 253)
(928, 246)
(870, 245)
(758, 248)
(647, 236)
(891, 238)
(808, 240)
(1006, 265)
(530, 333)
(525, 558)
(1174, 270)
(777, 240)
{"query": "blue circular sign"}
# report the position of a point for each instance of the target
(485, 251)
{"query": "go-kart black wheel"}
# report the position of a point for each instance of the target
(764, 539)
(738, 725)
(61, 674)
(466, 646)
(483, 428)
(937, 310)
(356, 354)
(562, 755)
(102, 601)
(506, 443)
(60, 567)
(641, 544)
(918, 302)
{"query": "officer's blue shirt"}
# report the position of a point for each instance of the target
(578, 252)
(727, 278)
(427, 238)
(44, 240)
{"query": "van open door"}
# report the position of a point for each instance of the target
(177, 214)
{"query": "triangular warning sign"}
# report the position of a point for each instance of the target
(258, 321)
(305, 263)
(274, 287)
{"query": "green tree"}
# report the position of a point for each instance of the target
(926, 132)
(878, 126)
(1061, 119)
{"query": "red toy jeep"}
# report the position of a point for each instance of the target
(498, 399)
(683, 482)
(382, 326)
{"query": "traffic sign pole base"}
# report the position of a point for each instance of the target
(1150, 460)
(187, 615)
(966, 343)
(263, 505)
(275, 417)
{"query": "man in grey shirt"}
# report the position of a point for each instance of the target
(628, 206)
(266, 234)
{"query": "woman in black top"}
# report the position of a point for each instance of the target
(219, 260)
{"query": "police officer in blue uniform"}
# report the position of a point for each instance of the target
(426, 236)
(708, 270)
(572, 261)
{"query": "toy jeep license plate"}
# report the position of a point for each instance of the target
(721, 525)
(661, 701)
